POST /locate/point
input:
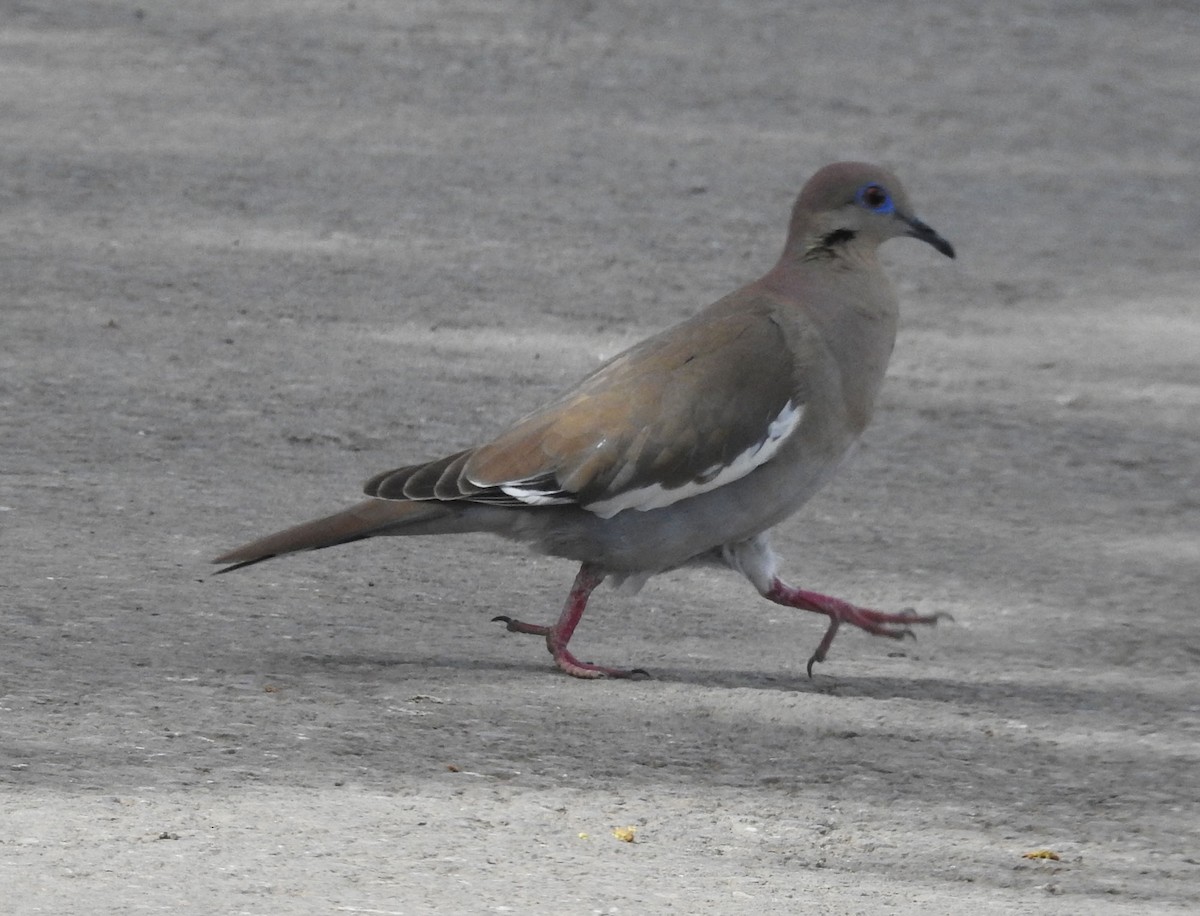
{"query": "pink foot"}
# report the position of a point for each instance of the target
(877, 623)
(559, 635)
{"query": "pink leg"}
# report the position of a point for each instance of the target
(559, 635)
(893, 626)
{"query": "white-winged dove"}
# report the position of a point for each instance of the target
(690, 446)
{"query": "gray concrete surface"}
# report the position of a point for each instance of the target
(254, 253)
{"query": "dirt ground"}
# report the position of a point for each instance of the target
(254, 253)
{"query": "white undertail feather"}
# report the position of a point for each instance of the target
(755, 560)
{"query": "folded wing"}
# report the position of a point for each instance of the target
(675, 416)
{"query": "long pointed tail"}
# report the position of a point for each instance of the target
(366, 519)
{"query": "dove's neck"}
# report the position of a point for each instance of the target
(853, 307)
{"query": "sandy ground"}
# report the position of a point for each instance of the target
(254, 253)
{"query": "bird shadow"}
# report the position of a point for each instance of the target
(998, 696)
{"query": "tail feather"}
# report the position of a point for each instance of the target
(369, 518)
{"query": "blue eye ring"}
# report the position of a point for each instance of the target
(875, 198)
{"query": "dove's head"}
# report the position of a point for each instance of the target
(851, 206)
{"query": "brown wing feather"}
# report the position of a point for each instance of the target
(395, 484)
(449, 484)
(666, 411)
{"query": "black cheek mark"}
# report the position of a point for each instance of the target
(838, 237)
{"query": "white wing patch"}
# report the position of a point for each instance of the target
(530, 493)
(656, 496)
